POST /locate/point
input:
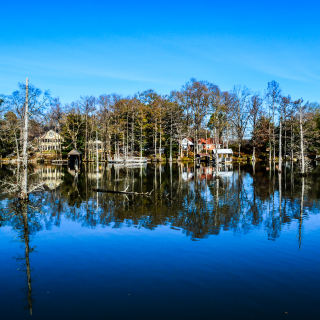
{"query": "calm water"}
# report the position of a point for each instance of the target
(245, 247)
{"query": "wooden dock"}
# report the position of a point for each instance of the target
(59, 162)
(128, 160)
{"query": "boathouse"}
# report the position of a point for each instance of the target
(74, 158)
(203, 157)
(225, 155)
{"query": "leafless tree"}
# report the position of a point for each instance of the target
(256, 113)
(87, 105)
(239, 113)
(73, 122)
(273, 96)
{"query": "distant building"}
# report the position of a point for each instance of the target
(203, 144)
(92, 144)
(187, 143)
(50, 141)
(74, 158)
(209, 144)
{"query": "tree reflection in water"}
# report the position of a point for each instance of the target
(24, 219)
(24, 212)
(185, 197)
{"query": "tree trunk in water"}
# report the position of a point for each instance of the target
(273, 136)
(280, 155)
(303, 171)
(291, 142)
(24, 181)
(285, 139)
(132, 134)
(160, 142)
(217, 156)
(155, 142)
(127, 134)
(217, 193)
(269, 142)
(141, 141)
(27, 250)
(118, 151)
(160, 138)
(188, 142)
(217, 161)
(206, 139)
(17, 145)
(123, 147)
(227, 137)
(301, 213)
(195, 148)
(280, 194)
(97, 151)
(55, 142)
(170, 158)
(86, 142)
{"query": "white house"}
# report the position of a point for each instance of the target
(187, 144)
(50, 141)
(92, 144)
(224, 154)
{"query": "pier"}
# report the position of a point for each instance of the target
(128, 160)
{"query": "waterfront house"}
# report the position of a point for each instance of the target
(187, 144)
(50, 141)
(208, 144)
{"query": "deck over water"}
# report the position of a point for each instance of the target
(128, 160)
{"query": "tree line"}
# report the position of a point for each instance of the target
(250, 122)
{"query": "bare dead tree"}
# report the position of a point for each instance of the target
(284, 108)
(273, 96)
(24, 182)
(73, 123)
(256, 112)
(239, 113)
(88, 105)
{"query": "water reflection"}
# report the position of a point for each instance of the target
(186, 197)
(25, 221)
(24, 214)
(194, 200)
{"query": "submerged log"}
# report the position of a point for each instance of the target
(124, 192)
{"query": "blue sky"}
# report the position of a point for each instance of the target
(93, 47)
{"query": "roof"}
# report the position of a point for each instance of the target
(189, 141)
(202, 155)
(74, 152)
(223, 151)
(209, 141)
(201, 141)
(50, 134)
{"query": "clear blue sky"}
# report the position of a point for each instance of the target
(93, 47)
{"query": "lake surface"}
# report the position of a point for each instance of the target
(245, 246)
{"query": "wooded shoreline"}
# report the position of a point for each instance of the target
(271, 126)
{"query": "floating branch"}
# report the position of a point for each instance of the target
(124, 192)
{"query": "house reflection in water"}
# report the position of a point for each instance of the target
(52, 176)
(206, 172)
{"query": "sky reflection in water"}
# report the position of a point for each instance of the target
(232, 249)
